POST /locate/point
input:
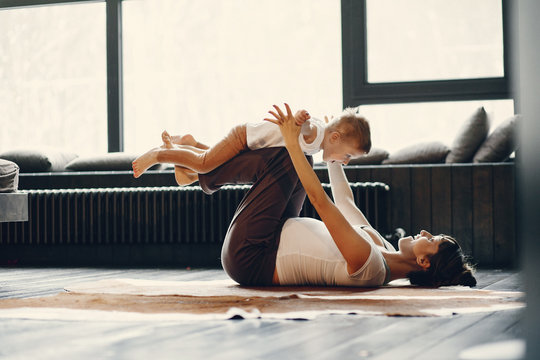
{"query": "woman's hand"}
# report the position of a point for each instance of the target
(287, 124)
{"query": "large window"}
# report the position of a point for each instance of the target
(419, 40)
(53, 78)
(204, 66)
(424, 50)
(419, 68)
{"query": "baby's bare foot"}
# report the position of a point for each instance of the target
(184, 176)
(144, 162)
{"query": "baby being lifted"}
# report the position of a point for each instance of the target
(344, 138)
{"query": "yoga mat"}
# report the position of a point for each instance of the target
(224, 299)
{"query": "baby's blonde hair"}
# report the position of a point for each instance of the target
(353, 126)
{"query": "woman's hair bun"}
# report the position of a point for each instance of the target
(467, 279)
(448, 267)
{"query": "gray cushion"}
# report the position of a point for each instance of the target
(469, 138)
(500, 144)
(45, 160)
(105, 162)
(9, 176)
(432, 152)
(374, 157)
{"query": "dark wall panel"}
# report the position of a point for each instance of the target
(504, 221)
(400, 194)
(483, 214)
(420, 199)
(441, 200)
(462, 219)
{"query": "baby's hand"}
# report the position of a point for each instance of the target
(301, 117)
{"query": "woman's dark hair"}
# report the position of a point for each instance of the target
(448, 267)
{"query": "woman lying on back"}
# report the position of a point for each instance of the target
(307, 255)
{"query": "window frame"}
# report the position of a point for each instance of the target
(358, 91)
(115, 117)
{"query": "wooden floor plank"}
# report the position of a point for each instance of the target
(402, 339)
(514, 329)
(330, 337)
(493, 324)
(486, 278)
(509, 282)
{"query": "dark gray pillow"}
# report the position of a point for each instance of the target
(9, 176)
(374, 157)
(102, 162)
(31, 160)
(105, 162)
(500, 144)
(469, 138)
(432, 152)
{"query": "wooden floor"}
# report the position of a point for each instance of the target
(327, 337)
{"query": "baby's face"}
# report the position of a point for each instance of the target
(340, 151)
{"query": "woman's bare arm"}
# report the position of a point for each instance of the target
(354, 248)
(343, 195)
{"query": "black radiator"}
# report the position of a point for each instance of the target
(159, 215)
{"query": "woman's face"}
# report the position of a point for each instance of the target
(423, 244)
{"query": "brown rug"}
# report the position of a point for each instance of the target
(224, 299)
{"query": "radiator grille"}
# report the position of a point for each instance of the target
(160, 215)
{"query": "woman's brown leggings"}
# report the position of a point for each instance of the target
(250, 246)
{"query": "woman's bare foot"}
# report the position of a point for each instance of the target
(144, 162)
(167, 140)
(184, 176)
(187, 139)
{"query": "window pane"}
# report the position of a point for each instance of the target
(416, 40)
(396, 126)
(204, 66)
(53, 78)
